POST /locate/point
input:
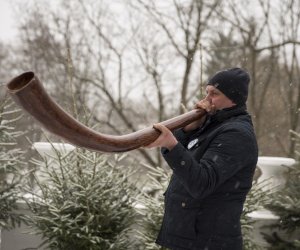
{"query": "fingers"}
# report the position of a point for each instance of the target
(160, 127)
(206, 105)
(203, 104)
(165, 139)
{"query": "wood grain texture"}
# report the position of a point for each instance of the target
(28, 92)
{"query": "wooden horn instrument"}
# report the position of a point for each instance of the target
(28, 92)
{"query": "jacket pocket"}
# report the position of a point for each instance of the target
(181, 213)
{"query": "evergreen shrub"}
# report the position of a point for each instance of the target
(83, 201)
(11, 166)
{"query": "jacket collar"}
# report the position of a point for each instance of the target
(220, 116)
(224, 114)
(212, 121)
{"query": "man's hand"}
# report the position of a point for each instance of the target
(206, 105)
(166, 138)
(203, 104)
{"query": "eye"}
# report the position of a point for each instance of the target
(215, 93)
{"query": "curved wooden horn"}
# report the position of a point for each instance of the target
(28, 92)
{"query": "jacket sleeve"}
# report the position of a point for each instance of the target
(227, 154)
(183, 137)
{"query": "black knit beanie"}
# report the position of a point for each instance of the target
(233, 83)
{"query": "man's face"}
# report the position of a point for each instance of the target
(217, 98)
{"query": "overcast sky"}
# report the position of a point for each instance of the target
(7, 28)
(8, 21)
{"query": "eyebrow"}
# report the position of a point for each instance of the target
(213, 90)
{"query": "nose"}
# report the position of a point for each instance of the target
(208, 97)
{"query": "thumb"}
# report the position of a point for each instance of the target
(161, 128)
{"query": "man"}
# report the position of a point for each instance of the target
(213, 162)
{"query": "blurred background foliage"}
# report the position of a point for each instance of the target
(129, 64)
(119, 66)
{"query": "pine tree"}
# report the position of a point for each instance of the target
(286, 205)
(11, 163)
(151, 215)
(256, 199)
(83, 201)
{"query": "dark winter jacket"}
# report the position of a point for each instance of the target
(213, 169)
